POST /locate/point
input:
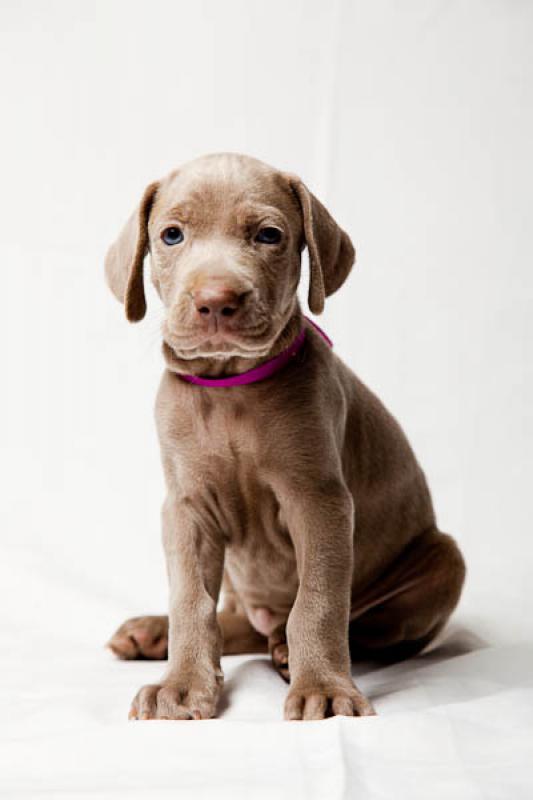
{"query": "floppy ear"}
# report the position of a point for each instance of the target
(125, 258)
(331, 252)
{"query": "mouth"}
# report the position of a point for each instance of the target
(246, 342)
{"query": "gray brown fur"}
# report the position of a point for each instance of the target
(301, 492)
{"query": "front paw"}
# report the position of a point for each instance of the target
(315, 699)
(175, 699)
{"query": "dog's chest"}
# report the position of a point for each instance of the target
(222, 463)
(231, 491)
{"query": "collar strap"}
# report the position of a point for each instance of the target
(263, 371)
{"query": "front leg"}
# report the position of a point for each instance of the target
(321, 522)
(191, 685)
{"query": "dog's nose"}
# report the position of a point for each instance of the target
(218, 301)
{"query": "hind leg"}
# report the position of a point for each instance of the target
(141, 638)
(147, 637)
(402, 612)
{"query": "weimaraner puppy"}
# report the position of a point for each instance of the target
(289, 484)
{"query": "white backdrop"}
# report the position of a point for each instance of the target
(412, 121)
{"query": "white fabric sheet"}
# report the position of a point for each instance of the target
(456, 722)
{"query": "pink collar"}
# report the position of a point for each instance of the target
(263, 371)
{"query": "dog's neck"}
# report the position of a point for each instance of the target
(234, 365)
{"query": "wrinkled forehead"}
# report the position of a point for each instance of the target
(224, 192)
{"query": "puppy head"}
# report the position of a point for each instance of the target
(225, 234)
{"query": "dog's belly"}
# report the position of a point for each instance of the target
(261, 566)
(230, 496)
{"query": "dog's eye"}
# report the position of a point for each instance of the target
(172, 235)
(268, 236)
